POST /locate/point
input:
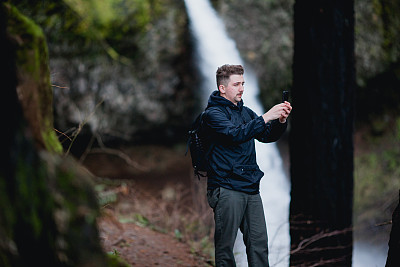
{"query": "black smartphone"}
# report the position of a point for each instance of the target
(285, 96)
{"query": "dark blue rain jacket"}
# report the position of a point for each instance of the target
(232, 130)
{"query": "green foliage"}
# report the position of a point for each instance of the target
(141, 220)
(100, 18)
(58, 21)
(206, 247)
(377, 176)
(115, 260)
(376, 182)
(87, 27)
(391, 22)
(398, 129)
(178, 234)
(105, 196)
(112, 21)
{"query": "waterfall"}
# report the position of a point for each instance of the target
(214, 48)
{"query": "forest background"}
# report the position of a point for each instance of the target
(123, 75)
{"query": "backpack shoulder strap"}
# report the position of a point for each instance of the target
(225, 109)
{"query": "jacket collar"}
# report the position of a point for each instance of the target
(216, 99)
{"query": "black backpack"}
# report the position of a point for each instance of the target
(200, 146)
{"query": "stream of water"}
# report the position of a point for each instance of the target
(214, 48)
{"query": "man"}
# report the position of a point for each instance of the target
(234, 176)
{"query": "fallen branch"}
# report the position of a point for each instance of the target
(119, 154)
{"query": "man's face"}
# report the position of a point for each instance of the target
(233, 91)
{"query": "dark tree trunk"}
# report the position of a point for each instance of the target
(393, 258)
(321, 138)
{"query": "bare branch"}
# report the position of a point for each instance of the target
(308, 241)
(119, 154)
(70, 139)
(61, 87)
(384, 223)
(115, 152)
(80, 127)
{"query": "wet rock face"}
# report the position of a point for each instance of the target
(121, 73)
(130, 97)
(115, 103)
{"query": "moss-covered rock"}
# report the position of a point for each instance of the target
(33, 88)
(49, 208)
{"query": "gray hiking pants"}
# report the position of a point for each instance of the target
(235, 210)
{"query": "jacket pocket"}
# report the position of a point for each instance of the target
(248, 173)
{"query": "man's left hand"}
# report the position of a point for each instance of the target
(286, 112)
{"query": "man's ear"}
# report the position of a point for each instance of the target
(221, 89)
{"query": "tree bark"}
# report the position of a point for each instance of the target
(393, 258)
(321, 137)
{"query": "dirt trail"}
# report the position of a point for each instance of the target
(141, 246)
(160, 195)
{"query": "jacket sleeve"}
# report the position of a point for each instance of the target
(273, 130)
(219, 122)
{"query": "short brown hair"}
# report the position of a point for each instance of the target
(225, 71)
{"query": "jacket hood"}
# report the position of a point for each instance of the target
(216, 99)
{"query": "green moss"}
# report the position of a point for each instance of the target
(34, 76)
(398, 129)
(31, 190)
(98, 20)
(114, 260)
(391, 23)
(27, 43)
(377, 7)
(51, 141)
(376, 176)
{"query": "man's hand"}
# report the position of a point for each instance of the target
(280, 111)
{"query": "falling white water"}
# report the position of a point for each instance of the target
(214, 48)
